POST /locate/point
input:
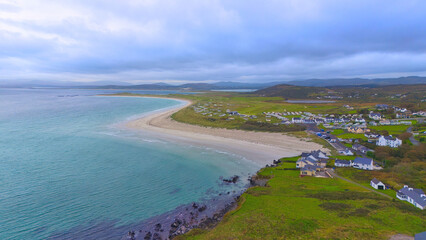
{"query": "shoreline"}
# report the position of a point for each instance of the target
(260, 148)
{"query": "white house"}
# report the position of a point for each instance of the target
(414, 196)
(375, 116)
(363, 163)
(346, 152)
(296, 120)
(342, 163)
(388, 141)
(377, 184)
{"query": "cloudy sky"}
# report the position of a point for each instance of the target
(143, 41)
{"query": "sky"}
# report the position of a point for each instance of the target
(147, 41)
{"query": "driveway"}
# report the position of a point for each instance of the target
(334, 174)
(412, 139)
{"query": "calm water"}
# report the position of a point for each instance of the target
(65, 165)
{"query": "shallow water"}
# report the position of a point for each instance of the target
(65, 165)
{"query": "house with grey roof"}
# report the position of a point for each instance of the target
(377, 184)
(310, 170)
(342, 163)
(414, 196)
(346, 152)
(361, 148)
(375, 116)
(420, 236)
(363, 163)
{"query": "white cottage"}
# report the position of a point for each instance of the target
(377, 184)
(363, 163)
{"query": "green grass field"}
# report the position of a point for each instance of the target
(392, 129)
(292, 207)
(352, 136)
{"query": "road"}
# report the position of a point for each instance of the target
(412, 139)
(332, 173)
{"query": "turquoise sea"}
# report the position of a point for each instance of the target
(66, 165)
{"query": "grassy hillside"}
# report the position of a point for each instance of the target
(291, 92)
(292, 207)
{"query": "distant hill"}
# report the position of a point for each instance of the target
(359, 81)
(220, 85)
(291, 92)
(407, 93)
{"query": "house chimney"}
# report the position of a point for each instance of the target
(405, 186)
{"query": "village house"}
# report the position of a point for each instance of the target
(377, 184)
(346, 152)
(360, 148)
(414, 196)
(312, 158)
(363, 163)
(360, 120)
(310, 170)
(357, 130)
(389, 141)
(375, 116)
(406, 114)
(296, 120)
(342, 163)
(303, 162)
(382, 106)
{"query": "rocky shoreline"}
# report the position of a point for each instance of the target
(196, 215)
(184, 218)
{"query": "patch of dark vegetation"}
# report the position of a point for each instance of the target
(288, 169)
(360, 212)
(332, 206)
(372, 206)
(302, 226)
(349, 195)
(258, 191)
(269, 127)
(408, 208)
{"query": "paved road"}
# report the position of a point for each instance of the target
(412, 139)
(332, 173)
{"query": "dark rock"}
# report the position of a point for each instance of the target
(131, 235)
(148, 236)
(194, 205)
(201, 209)
(157, 227)
(233, 179)
(156, 237)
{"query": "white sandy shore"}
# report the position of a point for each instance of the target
(260, 147)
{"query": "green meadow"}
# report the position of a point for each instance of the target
(293, 207)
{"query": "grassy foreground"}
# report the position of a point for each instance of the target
(291, 207)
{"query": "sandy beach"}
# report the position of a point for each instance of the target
(260, 147)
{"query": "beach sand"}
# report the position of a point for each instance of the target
(259, 147)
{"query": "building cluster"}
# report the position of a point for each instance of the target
(312, 164)
(414, 196)
(400, 112)
(359, 162)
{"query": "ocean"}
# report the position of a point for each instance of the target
(68, 166)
